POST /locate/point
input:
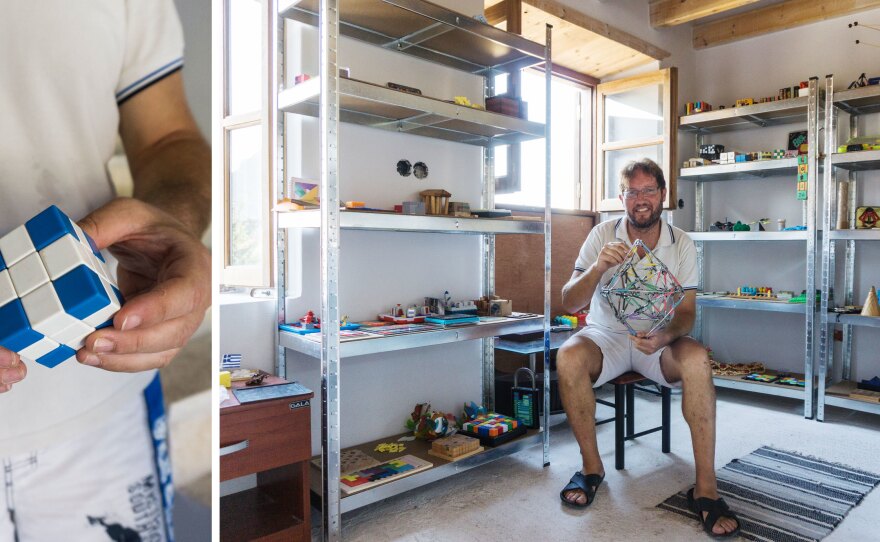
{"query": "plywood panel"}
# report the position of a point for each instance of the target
(519, 262)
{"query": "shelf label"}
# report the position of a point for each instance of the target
(299, 404)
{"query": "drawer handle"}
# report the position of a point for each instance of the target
(232, 448)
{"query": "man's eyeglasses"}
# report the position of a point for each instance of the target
(647, 192)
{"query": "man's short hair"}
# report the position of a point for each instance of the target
(646, 166)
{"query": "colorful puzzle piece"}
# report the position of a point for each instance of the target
(55, 289)
(390, 447)
(490, 425)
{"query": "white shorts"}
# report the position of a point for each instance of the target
(111, 483)
(619, 356)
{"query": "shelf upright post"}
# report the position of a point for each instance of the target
(850, 257)
(548, 72)
(699, 202)
(826, 334)
(488, 241)
(810, 211)
(328, 32)
(274, 131)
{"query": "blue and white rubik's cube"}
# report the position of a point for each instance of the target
(55, 289)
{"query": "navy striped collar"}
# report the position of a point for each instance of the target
(667, 235)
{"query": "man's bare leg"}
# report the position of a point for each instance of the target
(686, 360)
(578, 364)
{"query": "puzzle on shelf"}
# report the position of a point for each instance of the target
(384, 472)
(55, 289)
(455, 447)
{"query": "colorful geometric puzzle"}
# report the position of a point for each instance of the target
(55, 289)
(382, 473)
(490, 425)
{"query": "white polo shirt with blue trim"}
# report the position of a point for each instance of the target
(66, 68)
(674, 248)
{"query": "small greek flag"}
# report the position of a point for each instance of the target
(230, 362)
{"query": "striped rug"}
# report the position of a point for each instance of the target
(783, 496)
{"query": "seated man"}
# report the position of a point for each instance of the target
(605, 349)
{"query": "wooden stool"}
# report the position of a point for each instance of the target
(624, 387)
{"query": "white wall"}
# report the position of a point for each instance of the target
(195, 15)
(754, 68)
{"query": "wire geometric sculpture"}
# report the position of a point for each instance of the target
(643, 290)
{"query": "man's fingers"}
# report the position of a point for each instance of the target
(129, 363)
(8, 358)
(149, 340)
(5, 387)
(13, 375)
(115, 221)
(169, 300)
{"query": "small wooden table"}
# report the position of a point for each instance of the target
(272, 439)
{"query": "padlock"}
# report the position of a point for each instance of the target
(525, 400)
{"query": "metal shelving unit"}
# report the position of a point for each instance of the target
(855, 102)
(796, 110)
(432, 33)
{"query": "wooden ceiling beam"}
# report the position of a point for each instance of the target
(598, 27)
(787, 14)
(675, 12)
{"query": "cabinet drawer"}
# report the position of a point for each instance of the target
(275, 435)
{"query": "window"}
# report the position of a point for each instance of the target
(571, 147)
(242, 164)
(636, 119)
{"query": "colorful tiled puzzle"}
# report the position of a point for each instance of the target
(490, 425)
(55, 289)
(384, 472)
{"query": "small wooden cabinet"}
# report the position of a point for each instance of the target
(272, 439)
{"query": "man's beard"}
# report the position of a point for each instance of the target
(648, 222)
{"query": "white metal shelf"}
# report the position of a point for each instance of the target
(755, 236)
(852, 404)
(859, 101)
(426, 31)
(793, 392)
(857, 161)
(749, 116)
(439, 471)
(853, 320)
(361, 347)
(854, 235)
(751, 305)
(388, 109)
(356, 220)
(742, 170)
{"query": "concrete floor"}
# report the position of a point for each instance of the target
(516, 499)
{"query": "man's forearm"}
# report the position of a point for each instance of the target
(175, 176)
(576, 295)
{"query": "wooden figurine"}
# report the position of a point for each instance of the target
(436, 201)
(871, 308)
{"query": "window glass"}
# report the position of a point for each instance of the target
(566, 141)
(634, 114)
(245, 206)
(244, 57)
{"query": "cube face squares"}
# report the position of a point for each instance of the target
(55, 289)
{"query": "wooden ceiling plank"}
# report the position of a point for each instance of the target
(596, 26)
(788, 14)
(676, 12)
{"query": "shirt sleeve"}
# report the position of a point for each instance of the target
(687, 264)
(153, 45)
(589, 252)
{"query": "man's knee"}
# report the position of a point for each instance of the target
(692, 356)
(578, 359)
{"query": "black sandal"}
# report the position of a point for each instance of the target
(589, 484)
(716, 509)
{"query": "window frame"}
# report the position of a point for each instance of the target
(668, 79)
(260, 274)
(583, 188)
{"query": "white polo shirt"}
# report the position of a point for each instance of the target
(66, 67)
(674, 248)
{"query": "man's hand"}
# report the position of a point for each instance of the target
(611, 255)
(12, 369)
(165, 276)
(648, 344)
